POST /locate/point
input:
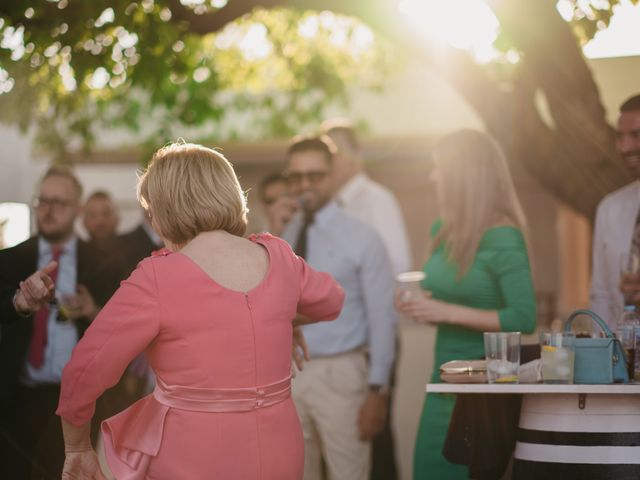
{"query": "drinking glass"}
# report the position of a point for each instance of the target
(557, 354)
(629, 269)
(630, 339)
(502, 351)
(409, 285)
(67, 304)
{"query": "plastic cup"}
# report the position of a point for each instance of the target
(409, 285)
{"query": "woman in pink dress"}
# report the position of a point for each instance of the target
(214, 315)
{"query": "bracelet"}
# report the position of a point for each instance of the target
(15, 307)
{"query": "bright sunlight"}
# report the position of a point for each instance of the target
(471, 25)
(442, 21)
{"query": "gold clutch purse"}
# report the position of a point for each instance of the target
(464, 371)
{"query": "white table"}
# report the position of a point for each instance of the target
(535, 388)
(571, 431)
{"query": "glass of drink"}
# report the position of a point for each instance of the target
(502, 351)
(627, 331)
(629, 270)
(409, 285)
(557, 354)
(67, 305)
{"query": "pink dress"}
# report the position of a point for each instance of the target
(222, 407)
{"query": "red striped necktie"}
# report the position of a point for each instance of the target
(39, 335)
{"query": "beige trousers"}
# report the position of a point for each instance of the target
(328, 395)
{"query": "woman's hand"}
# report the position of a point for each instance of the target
(82, 465)
(423, 309)
(81, 461)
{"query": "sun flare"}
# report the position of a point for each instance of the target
(466, 24)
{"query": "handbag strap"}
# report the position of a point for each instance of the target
(594, 316)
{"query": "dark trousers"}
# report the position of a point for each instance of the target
(383, 455)
(383, 461)
(31, 443)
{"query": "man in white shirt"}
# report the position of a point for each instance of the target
(375, 205)
(616, 220)
(365, 199)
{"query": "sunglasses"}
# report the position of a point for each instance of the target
(313, 177)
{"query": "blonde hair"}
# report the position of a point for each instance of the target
(477, 194)
(190, 189)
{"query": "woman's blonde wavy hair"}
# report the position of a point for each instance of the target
(477, 194)
(189, 189)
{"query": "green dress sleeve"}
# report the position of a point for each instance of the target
(513, 273)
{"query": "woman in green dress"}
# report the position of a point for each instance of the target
(478, 275)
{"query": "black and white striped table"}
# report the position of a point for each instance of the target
(586, 432)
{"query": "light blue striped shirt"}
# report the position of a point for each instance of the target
(61, 336)
(356, 257)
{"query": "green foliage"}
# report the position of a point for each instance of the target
(590, 17)
(72, 68)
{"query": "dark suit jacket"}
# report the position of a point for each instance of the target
(136, 245)
(16, 264)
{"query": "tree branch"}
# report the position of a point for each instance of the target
(559, 69)
(371, 12)
(214, 21)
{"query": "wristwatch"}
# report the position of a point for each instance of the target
(379, 389)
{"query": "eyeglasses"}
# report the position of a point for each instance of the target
(55, 203)
(313, 177)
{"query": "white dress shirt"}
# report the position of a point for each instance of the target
(61, 336)
(615, 222)
(376, 206)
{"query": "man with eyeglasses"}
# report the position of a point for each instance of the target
(340, 396)
(42, 315)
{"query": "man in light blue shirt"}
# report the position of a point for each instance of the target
(341, 398)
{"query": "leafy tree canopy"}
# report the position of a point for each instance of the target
(72, 68)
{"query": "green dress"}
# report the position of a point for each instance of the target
(499, 279)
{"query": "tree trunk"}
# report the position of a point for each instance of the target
(574, 158)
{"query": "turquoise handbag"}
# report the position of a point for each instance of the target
(598, 360)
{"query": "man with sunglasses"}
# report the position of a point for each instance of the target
(340, 396)
(42, 315)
